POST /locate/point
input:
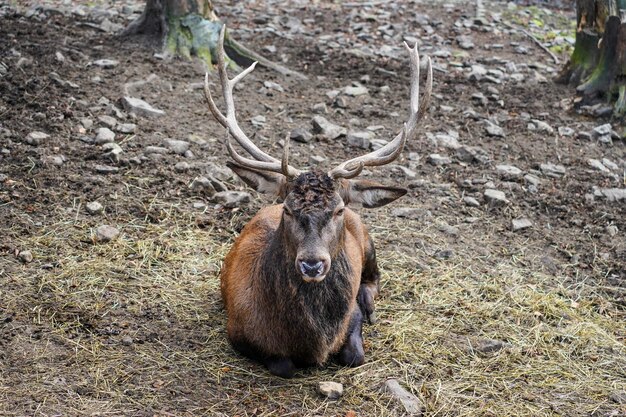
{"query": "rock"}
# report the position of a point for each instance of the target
(330, 390)
(493, 129)
(326, 128)
(106, 233)
(316, 159)
(540, 126)
(477, 72)
(258, 121)
(594, 163)
(509, 171)
(407, 172)
(471, 201)
(444, 254)
(301, 135)
(412, 405)
(106, 63)
(160, 150)
(602, 130)
(360, 139)
(465, 42)
(182, 166)
(520, 224)
(495, 197)
(203, 184)
(610, 164)
(140, 107)
(612, 230)
(57, 160)
(611, 194)
(566, 131)
(449, 141)
(127, 340)
(412, 213)
(273, 86)
(355, 90)
(36, 138)
(177, 146)
(378, 143)
(472, 154)
(319, 108)
(532, 179)
(106, 169)
(490, 345)
(108, 121)
(25, 256)
(86, 122)
(552, 170)
(232, 199)
(94, 207)
(104, 135)
(438, 160)
(126, 128)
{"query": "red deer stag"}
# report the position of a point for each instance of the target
(302, 276)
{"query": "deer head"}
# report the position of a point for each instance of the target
(314, 202)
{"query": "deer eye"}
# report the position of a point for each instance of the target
(287, 212)
(339, 212)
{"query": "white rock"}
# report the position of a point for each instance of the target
(520, 224)
(140, 107)
(106, 233)
(106, 63)
(94, 207)
(177, 146)
(330, 390)
(104, 135)
(495, 197)
(36, 138)
(412, 404)
(509, 171)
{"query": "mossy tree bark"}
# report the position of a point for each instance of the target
(191, 28)
(598, 64)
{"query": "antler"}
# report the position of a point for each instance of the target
(261, 161)
(392, 150)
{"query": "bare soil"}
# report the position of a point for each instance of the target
(136, 326)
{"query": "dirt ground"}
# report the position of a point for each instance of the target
(475, 318)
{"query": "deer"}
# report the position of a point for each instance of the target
(301, 278)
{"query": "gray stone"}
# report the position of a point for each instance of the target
(611, 194)
(273, 86)
(413, 213)
(494, 130)
(490, 345)
(359, 139)
(566, 131)
(126, 128)
(471, 201)
(495, 197)
(407, 172)
(25, 256)
(106, 233)
(127, 340)
(258, 121)
(177, 146)
(472, 154)
(316, 159)
(319, 108)
(160, 150)
(412, 404)
(532, 179)
(612, 230)
(106, 169)
(552, 170)
(232, 199)
(94, 207)
(36, 138)
(602, 130)
(609, 164)
(327, 129)
(203, 184)
(540, 126)
(355, 90)
(300, 135)
(106, 63)
(477, 72)
(520, 224)
(330, 390)
(378, 143)
(449, 141)
(57, 160)
(182, 166)
(140, 107)
(86, 122)
(594, 163)
(108, 121)
(438, 160)
(104, 135)
(509, 171)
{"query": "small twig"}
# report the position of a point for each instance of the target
(536, 41)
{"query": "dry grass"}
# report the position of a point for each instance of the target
(136, 327)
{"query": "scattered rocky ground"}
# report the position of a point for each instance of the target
(504, 278)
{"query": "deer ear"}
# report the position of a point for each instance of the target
(262, 181)
(369, 193)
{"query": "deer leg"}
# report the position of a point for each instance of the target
(370, 283)
(282, 367)
(351, 353)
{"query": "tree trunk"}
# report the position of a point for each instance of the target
(191, 28)
(598, 64)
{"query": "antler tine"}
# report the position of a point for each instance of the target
(392, 150)
(230, 120)
(279, 167)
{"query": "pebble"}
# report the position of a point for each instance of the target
(495, 197)
(566, 131)
(594, 163)
(104, 135)
(106, 233)
(540, 126)
(140, 107)
(108, 121)
(203, 184)
(438, 160)
(355, 91)
(612, 230)
(126, 128)
(232, 199)
(127, 340)
(412, 213)
(94, 207)
(319, 108)
(182, 166)
(490, 345)
(177, 146)
(106, 63)
(471, 201)
(25, 256)
(301, 135)
(509, 171)
(472, 154)
(360, 139)
(327, 129)
(330, 390)
(494, 130)
(552, 170)
(106, 169)
(520, 224)
(412, 404)
(609, 164)
(611, 194)
(273, 86)
(36, 138)
(316, 159)
(449, 140)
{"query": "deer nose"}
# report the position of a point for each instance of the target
(312, 268)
